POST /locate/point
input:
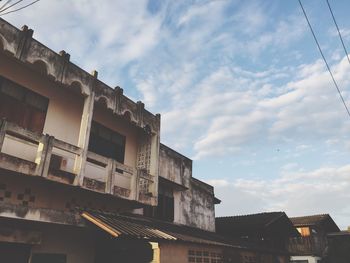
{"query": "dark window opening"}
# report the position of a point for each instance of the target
(22, 106)
(165, 207)
(106, 142)
(46, 257)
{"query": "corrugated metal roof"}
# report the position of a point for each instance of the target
(140, 227)
(120, 226)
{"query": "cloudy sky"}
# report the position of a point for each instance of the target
(240, 85)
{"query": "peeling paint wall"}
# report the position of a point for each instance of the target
(193, 205)
(76, 243)
(32, 192)
(174, 167)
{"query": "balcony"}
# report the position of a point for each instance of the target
(311, 245)
(40, 155)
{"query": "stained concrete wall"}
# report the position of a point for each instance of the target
(194, 203)
(35, 192)
(76, 243)
(174, 167)
(195, 206)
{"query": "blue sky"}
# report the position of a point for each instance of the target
(240, 85)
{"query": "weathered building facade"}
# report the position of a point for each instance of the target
(84, 177)
(76, 155)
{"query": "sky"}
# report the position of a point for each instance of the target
(240, 85)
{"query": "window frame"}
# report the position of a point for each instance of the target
(22, 106)
(102, 139)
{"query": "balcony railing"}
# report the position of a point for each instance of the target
(102, 174)
(306, 246)
(36, 154)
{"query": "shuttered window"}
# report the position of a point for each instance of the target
(107, 142)
(22, 106)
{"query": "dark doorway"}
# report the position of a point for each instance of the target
(14, 253)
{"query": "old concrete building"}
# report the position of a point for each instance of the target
(71, 146)
(84, 177)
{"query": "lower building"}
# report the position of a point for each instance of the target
(311, 245)
(338, 249)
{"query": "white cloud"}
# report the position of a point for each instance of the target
(323, 190)
(103, 35)
(185, 61)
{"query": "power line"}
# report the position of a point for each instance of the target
(1, 14)
(324, 58)
(340, 36)
(8, 1)
(2, 10)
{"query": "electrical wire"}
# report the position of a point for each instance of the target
(12, 11)
(340, 36)
(4, 5)
(11, 6)
(324, 58)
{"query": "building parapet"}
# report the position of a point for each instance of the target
(58, 67)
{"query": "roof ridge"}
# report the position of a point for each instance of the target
(246, 215)
(309, 216)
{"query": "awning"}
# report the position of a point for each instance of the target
(122, 227)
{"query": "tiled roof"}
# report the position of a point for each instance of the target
(261, 219)
(253, 224)
(323, 219)
(309, 220)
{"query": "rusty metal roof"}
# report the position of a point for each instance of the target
(119, 226)
(140, 227)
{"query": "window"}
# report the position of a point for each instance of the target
(204, 256)
(46, 258)
(165, 207)
(22, 106)
(106, 142)
(304, 231)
